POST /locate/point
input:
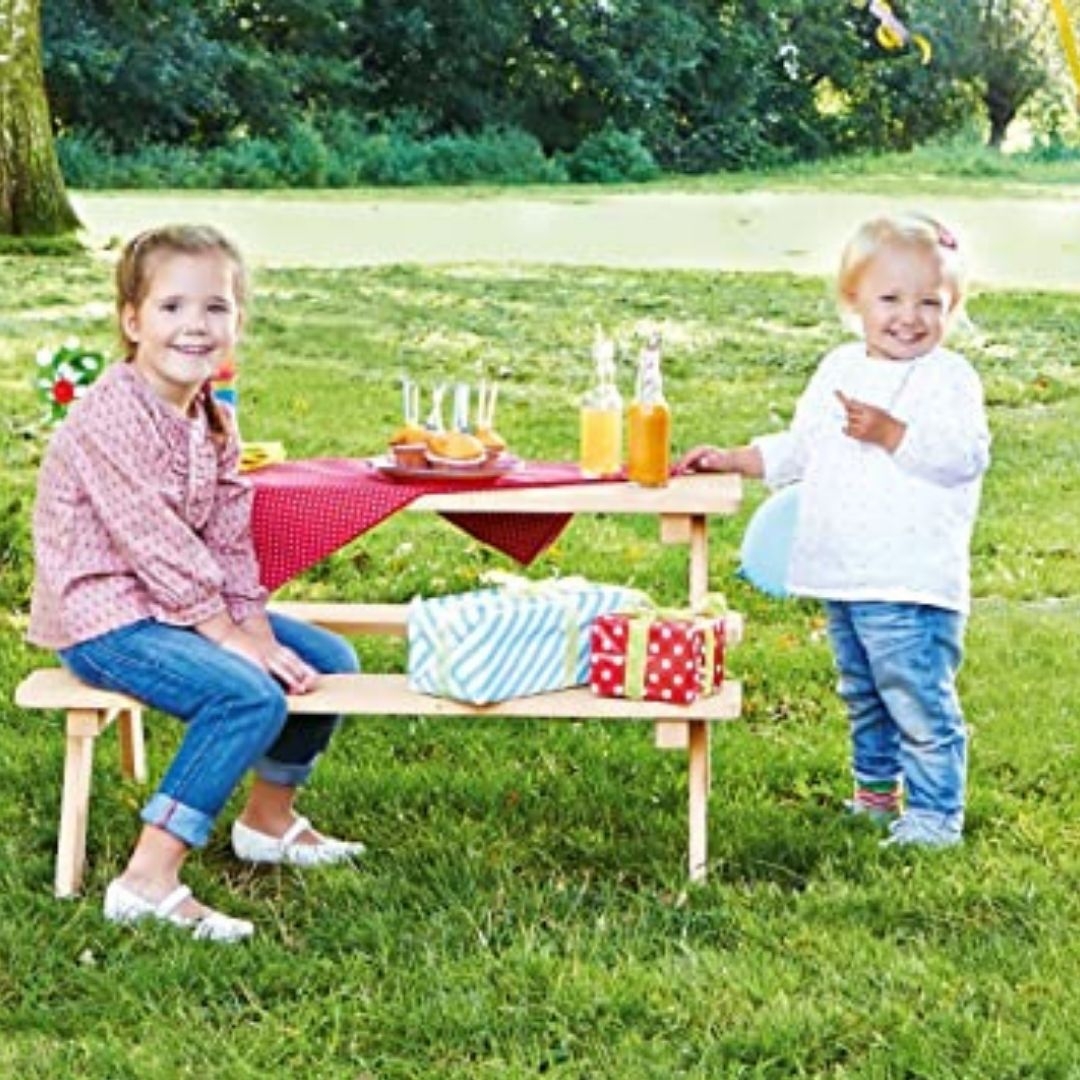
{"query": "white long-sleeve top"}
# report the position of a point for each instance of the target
(878, 526)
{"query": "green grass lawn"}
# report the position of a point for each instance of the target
(523, 909)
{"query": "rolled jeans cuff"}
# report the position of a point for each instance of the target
(284, 773)
(184, 822)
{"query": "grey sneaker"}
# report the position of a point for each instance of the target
(924, 828)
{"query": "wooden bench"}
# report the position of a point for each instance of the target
(90, 711)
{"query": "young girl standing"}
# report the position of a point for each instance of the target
(146, 582)
(890, 441)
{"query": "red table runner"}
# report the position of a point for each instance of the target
(305, 510)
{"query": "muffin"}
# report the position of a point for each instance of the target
(494, 443)
(408, 446)
(455, 449)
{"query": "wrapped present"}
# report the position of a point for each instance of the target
(669, 656)
(524, 638)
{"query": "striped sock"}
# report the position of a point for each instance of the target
(876, 798)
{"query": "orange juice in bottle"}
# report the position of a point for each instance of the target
(649, 423)
(602, 416)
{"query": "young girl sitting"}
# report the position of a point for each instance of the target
(146, 582)
(890, 441)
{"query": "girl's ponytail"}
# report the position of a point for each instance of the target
(216, 421)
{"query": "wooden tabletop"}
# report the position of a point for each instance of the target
(700, 494)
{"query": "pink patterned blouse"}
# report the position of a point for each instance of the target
(139, 514)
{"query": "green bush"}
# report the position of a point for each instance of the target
(389, 159)
(252, 163)
(87, 163)
(173, 166)
(508, 156)
(610, 156)
(85, 160)
(304, 157)
(341, 151)
(1053, 150)
(345, 138)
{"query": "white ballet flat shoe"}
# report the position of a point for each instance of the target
(124, 906)
(257, 847)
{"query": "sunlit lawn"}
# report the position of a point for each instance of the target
(523, 910)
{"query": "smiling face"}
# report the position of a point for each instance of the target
(185, 325)
(902, 301)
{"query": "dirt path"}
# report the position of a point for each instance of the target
(1013, 242)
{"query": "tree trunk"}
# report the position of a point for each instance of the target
(1001, 112)
(33, 201)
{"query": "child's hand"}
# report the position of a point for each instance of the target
(744, 460)
(869, 424)
(274, 658)
(293, 673)
(706, 459)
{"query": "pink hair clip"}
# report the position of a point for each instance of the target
(946, 238)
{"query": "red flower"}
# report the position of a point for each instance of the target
(63, 392)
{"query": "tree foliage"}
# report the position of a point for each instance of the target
(999, 48)
(699, 85)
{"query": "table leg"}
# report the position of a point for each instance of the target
(698, 777)
(132, 745)
(83, 727)
(699, 559)
(699, 588)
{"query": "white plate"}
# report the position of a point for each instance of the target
(487, 470)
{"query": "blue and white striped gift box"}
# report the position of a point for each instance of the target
(495, 644)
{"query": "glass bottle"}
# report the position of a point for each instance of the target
(649, 422)
(602, 415)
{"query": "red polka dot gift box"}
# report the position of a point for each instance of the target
(675, 657)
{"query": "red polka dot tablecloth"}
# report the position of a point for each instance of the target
(305, 510)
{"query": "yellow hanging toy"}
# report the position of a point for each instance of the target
(1068, 41)
(892, 34)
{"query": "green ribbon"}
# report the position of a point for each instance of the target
(705, 670)
(573, 640)
(637, 640)
(638, 624)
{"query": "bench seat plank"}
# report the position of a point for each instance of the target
(389, 695)
(389, 619)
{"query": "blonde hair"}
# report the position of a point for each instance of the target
(135, 269)
(917, 231)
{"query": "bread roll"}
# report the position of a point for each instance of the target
(491, 439)
(458, 446)
(409, 435)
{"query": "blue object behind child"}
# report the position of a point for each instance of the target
(766, 545)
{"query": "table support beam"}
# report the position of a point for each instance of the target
(698, 793)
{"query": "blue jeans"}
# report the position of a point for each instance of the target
(235, 713)
(898, 665)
